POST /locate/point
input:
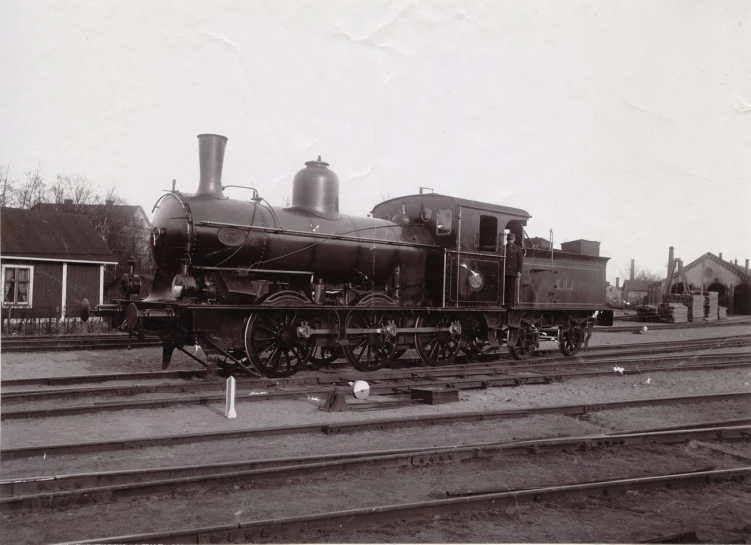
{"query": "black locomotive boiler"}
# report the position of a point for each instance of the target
(264, 288)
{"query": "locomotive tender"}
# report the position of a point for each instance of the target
(264, 287)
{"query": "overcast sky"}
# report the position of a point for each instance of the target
(624, 122)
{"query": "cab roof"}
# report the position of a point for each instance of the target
(464, 203)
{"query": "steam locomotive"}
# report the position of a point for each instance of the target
(265, 289)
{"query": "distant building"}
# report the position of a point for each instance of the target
(539, 242)
(50, 262)
(635, 291)
(126, 229)
(711, 273)
(613, 293)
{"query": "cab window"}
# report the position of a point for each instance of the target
(443, 222)
(488, 238)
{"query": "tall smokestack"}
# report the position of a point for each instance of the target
(211, 158)
(618, 281)
(671, 256)
(632, 269)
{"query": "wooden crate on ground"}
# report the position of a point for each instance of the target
(676, 313)
(710, 306)
(647, 313)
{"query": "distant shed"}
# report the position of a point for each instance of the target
(50, 261)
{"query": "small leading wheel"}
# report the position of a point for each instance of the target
(521, 344)
(437, 347)
(521, 352)
(371, 351)
(570, 340)
(272, 343)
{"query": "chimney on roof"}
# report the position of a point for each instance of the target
(632, 270)
(109, 202)
(671, 256)
(735, 262)
(617, 282)
(720, 256)
(746, 266)
(68, 201)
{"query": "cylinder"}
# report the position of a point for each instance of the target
(211, 159)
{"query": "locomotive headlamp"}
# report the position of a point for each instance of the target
(475, 280)
(183, 285)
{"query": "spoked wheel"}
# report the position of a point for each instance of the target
(327, 352)
(371, 351)
(523, 341)
(521, 352)
(473, 346)
(570, 340)
(324, 355)
(271, 339)
(437, 347)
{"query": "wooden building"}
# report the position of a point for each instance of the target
(127, 231)
(635, 292)
(50, 261)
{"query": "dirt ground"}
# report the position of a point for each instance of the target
(719, 514)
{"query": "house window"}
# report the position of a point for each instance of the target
(488, 234)
(18, 285)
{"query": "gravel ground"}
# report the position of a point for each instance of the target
(720, 513)
(266, 499)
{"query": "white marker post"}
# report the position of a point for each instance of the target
(229, 410)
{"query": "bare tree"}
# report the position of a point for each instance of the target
(641, 274)
(7, 187)
(58, 190)
(113, 198)
(76, 188)
(32, 190)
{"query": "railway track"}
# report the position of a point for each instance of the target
(594, 353)
(43, 343)
(634, 324)
(350, 427)
(62, 491)
(384, 383)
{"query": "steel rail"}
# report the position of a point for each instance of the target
(292, 529)
(113, 486)
(79, 343)
(617, 350)
(656, 326)
(354, 427)
(186, 385)
(481, 380)
(724, 429)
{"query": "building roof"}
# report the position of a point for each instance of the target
(97, 213)
(737, 269)
(636, 285)
(45, 234)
